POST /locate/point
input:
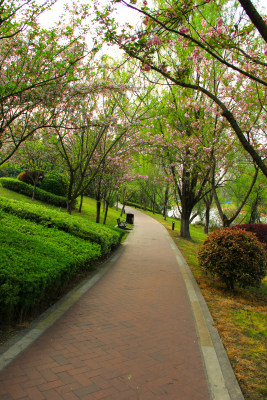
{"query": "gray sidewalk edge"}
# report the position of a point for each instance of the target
(17, 344)
(222, 381)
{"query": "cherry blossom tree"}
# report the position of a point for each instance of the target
(217, 40)
(36, 66)
(95, 117)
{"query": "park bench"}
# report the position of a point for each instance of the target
(122, 224)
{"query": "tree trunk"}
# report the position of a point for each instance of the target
(69, 206)
(255, 17)
(207, 219)
(81, 203)
(254, 214)
(106, 212)
(208, 201)
(34, 191)
(98, 210)
(185, 218)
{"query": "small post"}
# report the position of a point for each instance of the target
(173, 225)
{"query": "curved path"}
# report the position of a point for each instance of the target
(137, 334)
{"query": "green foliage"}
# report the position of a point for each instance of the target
(234, 256)
(135, 205)
(53, 185)
(107, 237)
(8, 171)
(36, 262)
(26, 189)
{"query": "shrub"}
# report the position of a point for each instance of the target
(260, 230)
(26, 189)
(8, 171)
(36, 262)
(135, 205)
(52, 185)
(30, 177)
(234, 256)
(107, 237)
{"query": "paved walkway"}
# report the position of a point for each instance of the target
(132, 336)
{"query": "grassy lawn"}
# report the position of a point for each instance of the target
(61, 249)
(88, 209)
(239, 317)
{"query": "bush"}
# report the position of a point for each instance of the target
(234, 256)
(107, 237)
(139, 206)
(26, 189)
(260, 230)
(52, 185)
(8, 171)
(36, 262)
(30, 177)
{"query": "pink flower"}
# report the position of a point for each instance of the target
(184, 29)
(219, 21)
(156, 40)
(145, 21)
(146, 67)
(265, 50)
(153, 41)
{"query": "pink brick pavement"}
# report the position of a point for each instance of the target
(130, 337)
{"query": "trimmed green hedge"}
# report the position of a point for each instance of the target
(36, 262)
(27, 190)
(107, 237)
(135, 205)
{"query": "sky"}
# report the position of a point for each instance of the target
(50, 17)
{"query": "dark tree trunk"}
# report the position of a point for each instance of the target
(254, 214)
(185, 221)
(166, 199)
(106, 212)
(98, 210)
(81, 204)
(34, 191)
(208, 201)
(69, 206)
(255, 17)
(207, 219)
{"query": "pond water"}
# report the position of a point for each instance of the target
(215, 219)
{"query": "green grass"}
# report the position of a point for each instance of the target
(43, 248)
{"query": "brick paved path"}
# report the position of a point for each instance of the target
(130, 337)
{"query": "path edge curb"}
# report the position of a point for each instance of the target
(10, 350)
(222, 381)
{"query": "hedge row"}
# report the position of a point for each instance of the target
(135, 205)
(27, 190)
(36, 262)
(260, 230)
(107, 237)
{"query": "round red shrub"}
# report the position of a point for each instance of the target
(235, 256)
(31, 176)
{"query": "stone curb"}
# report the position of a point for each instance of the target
(222, 382)
(16, 345)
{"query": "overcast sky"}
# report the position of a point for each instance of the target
(124, 14)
